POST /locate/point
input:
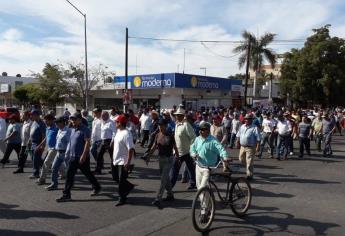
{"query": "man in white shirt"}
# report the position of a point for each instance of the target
(284, 130)
(235, 127)
(3, 129)
(266, 135)
(96, 140)
(145, 125)
(122, 156)
(25, 136)
(108, 131)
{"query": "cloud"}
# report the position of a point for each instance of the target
(12, 35)
(106, 22)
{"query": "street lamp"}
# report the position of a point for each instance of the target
(203, 68)
(86, 71)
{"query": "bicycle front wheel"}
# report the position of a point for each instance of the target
(240, 196)
(203, 209)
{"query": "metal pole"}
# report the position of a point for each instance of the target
(247, 72)
(126, 69)
(270, 91)
(184, 60)
(86, 66)
(86, 69)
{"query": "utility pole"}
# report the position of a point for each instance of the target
(247, 71)
(203, 68)
(126, 72)
(184, 60)
(270, 88)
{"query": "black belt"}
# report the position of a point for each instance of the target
(61, 151)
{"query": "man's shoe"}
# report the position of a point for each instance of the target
(203, 219)
(169, 198)
(157, 204)
(34, 177)
(191, 187)
(250, 178)
(184, 181)
(95, 192)
(51, 187)
(40, 182)
(18, 171)
(291, 153)
(120, 203)
(64, 198)
(97, 172)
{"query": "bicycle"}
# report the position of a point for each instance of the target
(237, 189)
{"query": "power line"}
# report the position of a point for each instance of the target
(216, 54)
(211, 41)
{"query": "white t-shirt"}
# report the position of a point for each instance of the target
(25, 133)
(3, 128)
(96, 130)
(145, 122)
(108, 129)
(267, 125)
(284, 127)
(236, 124)
(123, 142)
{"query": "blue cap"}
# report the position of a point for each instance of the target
(35, 112)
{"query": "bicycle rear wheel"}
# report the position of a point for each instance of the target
(240, 196)
(203, 209)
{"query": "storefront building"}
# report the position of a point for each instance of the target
(169, 89)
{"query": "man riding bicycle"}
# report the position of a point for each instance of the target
(206, 150)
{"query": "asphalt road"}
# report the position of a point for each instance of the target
(292, 197)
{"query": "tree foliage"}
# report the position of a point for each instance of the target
(259, 51)
(28, 94)
(315, 73)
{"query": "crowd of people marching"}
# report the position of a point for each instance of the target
(200, 139)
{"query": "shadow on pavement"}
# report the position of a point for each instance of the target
(7, 212)
(25, 233)
(272, 222)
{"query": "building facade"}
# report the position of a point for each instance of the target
(8, 85)
(169, 89)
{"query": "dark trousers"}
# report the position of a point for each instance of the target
(145, 137)
(120, 175)
(290, 143)
(37, 160)
(73, 166)
(105, 147)
(9, 148)
(304, 143)
(23, 155)
(176, 169)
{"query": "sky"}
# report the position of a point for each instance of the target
(34, 32)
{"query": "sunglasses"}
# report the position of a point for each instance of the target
(203, 129)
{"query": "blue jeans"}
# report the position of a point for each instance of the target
(58, 161)
(282, 146)
(37, 160)
(95, 148)
(266, 138)
(232, 140)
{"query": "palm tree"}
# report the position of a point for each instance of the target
(255, 51)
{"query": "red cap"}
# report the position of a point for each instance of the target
(122, 119)
(217, 118)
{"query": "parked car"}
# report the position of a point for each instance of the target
(6, 112)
